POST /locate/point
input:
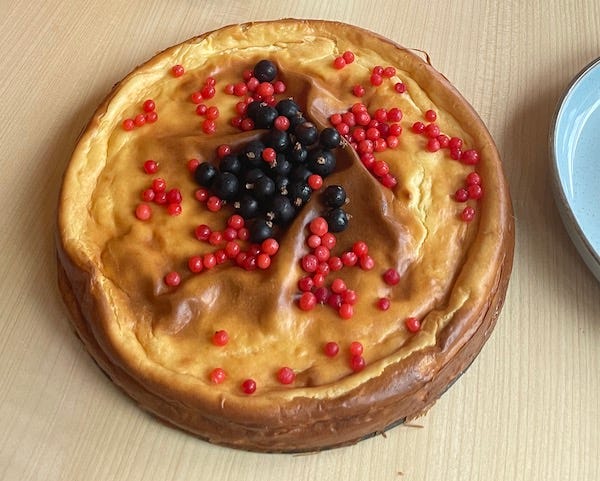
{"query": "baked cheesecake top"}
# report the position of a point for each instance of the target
(412, 269)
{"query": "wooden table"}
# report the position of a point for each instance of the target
(528, 409)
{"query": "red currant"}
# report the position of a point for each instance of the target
(357, 363)
(383, 303)
(128, 124)
(391, 277)
(315, 181)
(346, 311)
(218, 375)
(339, 63)
(177, 70)
(143, 211)
(195, 264)
(348, 56)
(172, 279)
(468, 214)
(331, 349)
(286, 375)
(149, 105)
(220, 338)
(356, 348)
(413, 324)
(249, 386)
(270, 246)
(358, 90)
(307, 301)
(318, 226)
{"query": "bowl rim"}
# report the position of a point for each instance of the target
(572, 225)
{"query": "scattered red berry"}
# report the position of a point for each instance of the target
(177, 70)
(214, 204)
(470, 157)
(172, 279)
(473, 179)
(389, 72)
(218, 375)
(391, 277)
(195, 264)
(174, 209)
(383, 303)
(318, 226)
(331, 349)
(357, 363)
(338, 286)
(430, 115)
(270, 246)
(346, 311)
(249, 386)
(286, 375)
(307, 301)
(348, 56)
(339, 63)
(366, 262)
(358, 90)
(220, 338)
(315, 181)
(149, 105)
(400, 87)
(159, 185)
(413, 324)
(356, 348)
(468, 214)
(128, 124)
(143, 211)
(461, 195)
(475, 191)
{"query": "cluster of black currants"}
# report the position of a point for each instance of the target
(269, 192)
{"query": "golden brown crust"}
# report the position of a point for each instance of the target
(146, 338)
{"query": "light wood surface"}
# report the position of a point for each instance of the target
(528, 408)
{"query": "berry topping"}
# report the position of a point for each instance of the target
(249, 386)
(286, 375)
(331, 349)
(265, 71)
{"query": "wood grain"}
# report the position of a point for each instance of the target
(529, 406)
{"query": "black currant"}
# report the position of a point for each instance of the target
(337, 220)
(225, 185)
(299, 193)
(260, 230)
(321, 161)
(281, 184)
(251, 176)
(306, 133)
(300, 173)
(334, 196)
(205, 173)
(262, 114)
(253, 153)
(281, 211)
(263, 188)
(278, 140)
(231, 163)
(265, 71)
(295, 120)
(330, 138)
(282, 166)
(287, 107)
(298, 153)
(247, 206)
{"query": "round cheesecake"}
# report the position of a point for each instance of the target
(284, 236)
